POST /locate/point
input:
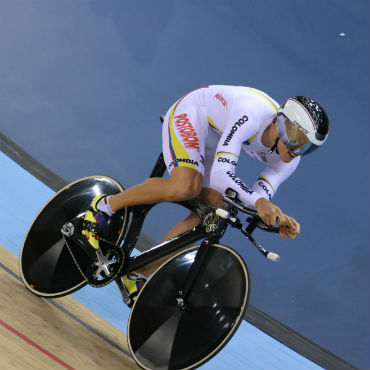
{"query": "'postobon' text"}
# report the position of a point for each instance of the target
(187, 132)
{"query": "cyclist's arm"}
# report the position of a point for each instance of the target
(267, 184)
(241, 127)
(272, 177)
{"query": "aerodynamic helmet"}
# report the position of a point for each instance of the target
(303, 124)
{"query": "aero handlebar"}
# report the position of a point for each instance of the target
(253, 221)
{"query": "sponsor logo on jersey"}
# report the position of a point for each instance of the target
(187, 132)
(226, 160)
(239, 182)
(182, 160)
(264, 187)
(221, 99)
(234, 128)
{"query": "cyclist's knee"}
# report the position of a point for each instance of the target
(211, 197)
(184, 191)
(186, 184)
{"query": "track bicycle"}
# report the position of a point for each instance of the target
(188, 309)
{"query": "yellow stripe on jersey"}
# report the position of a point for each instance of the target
(213, 125)
(176, 148)
(226, 153)
(265, 97)
(250, 140)
(265, 179)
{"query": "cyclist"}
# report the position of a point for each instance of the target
(203, 135)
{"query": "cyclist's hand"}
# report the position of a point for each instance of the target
(289, 227)
(269, 212)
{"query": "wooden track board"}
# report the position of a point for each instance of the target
(38, 333)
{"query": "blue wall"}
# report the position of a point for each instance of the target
(82, 84)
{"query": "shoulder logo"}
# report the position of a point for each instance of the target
(221, 99)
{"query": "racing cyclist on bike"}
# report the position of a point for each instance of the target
(203, 135)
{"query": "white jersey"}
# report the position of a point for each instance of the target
(207, 130)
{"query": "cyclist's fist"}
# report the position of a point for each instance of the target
(271, 214)
(290, 229)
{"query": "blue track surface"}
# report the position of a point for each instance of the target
(74, 74)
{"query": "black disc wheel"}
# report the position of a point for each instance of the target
(46, 265)
(164, 334)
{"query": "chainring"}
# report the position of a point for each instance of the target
(106, 266)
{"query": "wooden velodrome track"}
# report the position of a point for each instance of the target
(38, 333)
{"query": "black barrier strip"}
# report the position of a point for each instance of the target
(295, 341)
(71, 315)
(31, 165)
(254, 316)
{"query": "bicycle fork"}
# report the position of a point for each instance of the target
(193, 273)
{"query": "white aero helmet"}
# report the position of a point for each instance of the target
(303, 124)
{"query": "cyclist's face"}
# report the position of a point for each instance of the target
(285, 152)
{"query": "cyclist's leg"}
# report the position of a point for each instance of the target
(184, 183)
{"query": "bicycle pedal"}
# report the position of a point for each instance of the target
(91, 227)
